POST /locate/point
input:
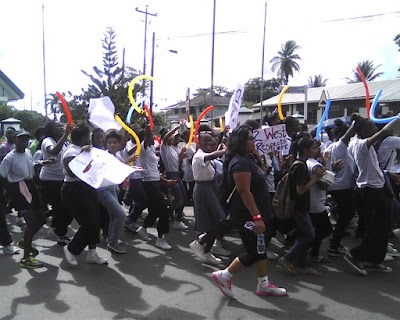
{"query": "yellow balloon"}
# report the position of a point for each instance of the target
(221, 125)
(280, 102)
(130, 91)
(191, 132)
(129, 130)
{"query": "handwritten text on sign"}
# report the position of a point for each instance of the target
(272, 139)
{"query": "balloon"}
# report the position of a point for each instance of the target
(191, 132)
(280, 102)
(65, 107)
(130, 91)
(129, 130)
(157, 139)
(367, 105)
(198, 122)
(324, 116)
(221, 125)
(373, 108)
(150, 117)
(129, 115)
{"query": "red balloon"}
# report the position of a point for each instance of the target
(65, 107)
(150, 117)
(367, 103)
(196, 132)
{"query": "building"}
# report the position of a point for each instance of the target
(176, 112)
(345, 100)
(8, 90)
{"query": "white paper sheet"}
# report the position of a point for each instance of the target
(101, 114)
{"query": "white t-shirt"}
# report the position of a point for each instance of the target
(149, 161)
(343, 178)
(317, 196)
(71, 151)
(170, 157)
(270, 176)
(387, 152)
(187, 165)
(53, 171)
(17, 166)
(366, 159)
(203, 170)
(124, 153)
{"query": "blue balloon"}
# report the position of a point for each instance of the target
(131, 109)
(324, 116)
(373, 108)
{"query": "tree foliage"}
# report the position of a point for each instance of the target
(252, 89)
(30, 120)
(368, 69)
(397, 41)
(285, 61)
(317, 81)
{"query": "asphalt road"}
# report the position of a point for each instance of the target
(148, 283)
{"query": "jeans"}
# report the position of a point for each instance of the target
(139, 199)
(108, 197)
(82, 203)
(305, 237)
(157, 207)
(377, 210)
(179, 192)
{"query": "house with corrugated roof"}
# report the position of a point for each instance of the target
(345, 100)
(8, 90)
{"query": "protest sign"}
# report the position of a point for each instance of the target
(101, 113)
(232, 114)
(99, 168)
(271, 139)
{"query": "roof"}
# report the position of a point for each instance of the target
(12, 91)
(245, 110)
(199, 101)
(11, 120)
(351, 91)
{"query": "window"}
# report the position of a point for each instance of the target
(192, 110)
(176, 111)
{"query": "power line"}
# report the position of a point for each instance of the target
(363, 18)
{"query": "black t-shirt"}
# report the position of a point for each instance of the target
(258, 187)
(299, 175)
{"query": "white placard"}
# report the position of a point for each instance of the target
(99, 168)
(231, 116)
(101, 114)
(271, 139)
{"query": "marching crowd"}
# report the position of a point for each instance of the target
(229, 184)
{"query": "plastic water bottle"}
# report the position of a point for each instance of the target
(260, 243)
(250, 225)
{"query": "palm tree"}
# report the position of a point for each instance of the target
(317, 81)
(368, 69)
(285, 62)
(54, 103)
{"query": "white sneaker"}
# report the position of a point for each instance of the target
(179, 225)
(396, 232)
(270, 290)
(272, 255)
(392, 251)
(197, 249)
(224, 285)
(162, 244)
(219, 250)
(211, 259)
(388, 258)
(93, 257)
(142, 232)
(20, 222)
(70, 257)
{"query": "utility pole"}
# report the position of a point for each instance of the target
(212, 66)
(152, 71)
(44, 66)
(262, 68)
(146, 13)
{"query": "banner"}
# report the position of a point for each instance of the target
(271, 139)
(99, 168)
(101, 114)
(187, 104)
(235, 103)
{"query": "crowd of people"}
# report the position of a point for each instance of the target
(230, 186)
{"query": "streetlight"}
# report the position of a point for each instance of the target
(152, 70)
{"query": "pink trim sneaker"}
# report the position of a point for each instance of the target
(224, 285)
(271, 290)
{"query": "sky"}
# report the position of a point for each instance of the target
(331, 41)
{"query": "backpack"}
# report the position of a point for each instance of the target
(225, 191)
(283, 203)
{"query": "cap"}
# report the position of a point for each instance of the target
(21, 133)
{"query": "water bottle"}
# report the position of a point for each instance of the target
(250, 225)
(260, 243)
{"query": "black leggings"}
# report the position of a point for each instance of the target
(218, 232)
(249, 239)
(157, 207)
